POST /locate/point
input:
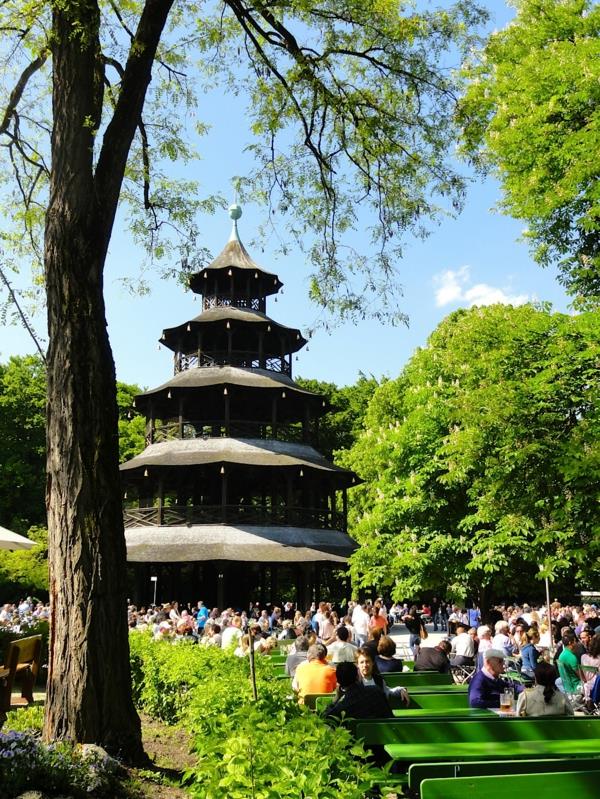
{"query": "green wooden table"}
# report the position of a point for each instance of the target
(558, 785)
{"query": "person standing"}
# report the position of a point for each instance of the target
(413, 623)
(360, 622)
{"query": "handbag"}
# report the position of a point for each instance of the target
(423, 634)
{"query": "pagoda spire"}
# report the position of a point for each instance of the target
(235, 212)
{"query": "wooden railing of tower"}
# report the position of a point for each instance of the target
(246, 359)
(187, 515)
(182, 428)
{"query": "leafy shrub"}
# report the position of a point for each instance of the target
(25, 719)
(25, 762)
(248, 750)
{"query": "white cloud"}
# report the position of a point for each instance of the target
(454, 286)
(449, 285)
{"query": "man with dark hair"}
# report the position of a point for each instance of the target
(341, 650)
(294, 659)
(357, 701)
(434, 658)
(568, 664)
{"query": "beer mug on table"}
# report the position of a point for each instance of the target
(506, 700)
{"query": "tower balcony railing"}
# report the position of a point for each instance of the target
(218, 428)
(235, 300)
(187, 515)
(247, 359)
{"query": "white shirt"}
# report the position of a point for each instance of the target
(360, 621)
(463, 645)
(229, 635)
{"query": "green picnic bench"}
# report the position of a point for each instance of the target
(410, 679)
(418, 772)
(439, 701)
(277, 660)
(580, 784)
(442, 713)
(475, 739)
(454, 688)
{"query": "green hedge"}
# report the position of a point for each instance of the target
(244, 749)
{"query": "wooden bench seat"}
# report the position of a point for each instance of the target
(557, 785)
(481, 768)
(23, 660)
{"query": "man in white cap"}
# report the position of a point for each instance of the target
(487, 685)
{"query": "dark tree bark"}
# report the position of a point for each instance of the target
(89, 686)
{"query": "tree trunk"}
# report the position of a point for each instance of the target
(89, 685)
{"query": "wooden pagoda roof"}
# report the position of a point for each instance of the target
(214, 316)
(243, 543)
(233, 255)
(247, 452)
(206, 376)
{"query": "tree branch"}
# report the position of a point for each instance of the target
(17, 92)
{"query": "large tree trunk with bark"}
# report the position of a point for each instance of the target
(89, 686)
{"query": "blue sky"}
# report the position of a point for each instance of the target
(473, 260)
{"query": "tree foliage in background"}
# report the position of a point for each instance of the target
(531, 115)
(483, 457)
(342, 425)
(25, 572)
(22, 443)
(361, 98)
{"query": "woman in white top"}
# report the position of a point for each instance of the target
(544, 699)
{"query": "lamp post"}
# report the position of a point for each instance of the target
(155, 581)
(548, 611)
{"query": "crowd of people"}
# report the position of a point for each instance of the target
(24, 615)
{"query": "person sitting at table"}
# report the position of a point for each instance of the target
(341, 650)
(434, 658)
(592, 661)
(298, 656)
(530, 654)
(463, 647)
(385, 660)
(356, 700)
(371, 676)
(487, 684)
(544, 698)
(315, 676)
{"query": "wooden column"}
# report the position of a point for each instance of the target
(160, 501)
(224, 477)
(290, 498)
(180, 418)
(227, 411)
(221, 583)
(261, 349)
(274, 416)
(345, 509)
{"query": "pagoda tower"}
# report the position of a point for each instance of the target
(230, 502)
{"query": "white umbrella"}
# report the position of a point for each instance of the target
(10, 540)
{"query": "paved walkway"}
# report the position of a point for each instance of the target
(400, 635)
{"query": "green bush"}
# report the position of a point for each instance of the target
(59, 769)
(244, 749)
